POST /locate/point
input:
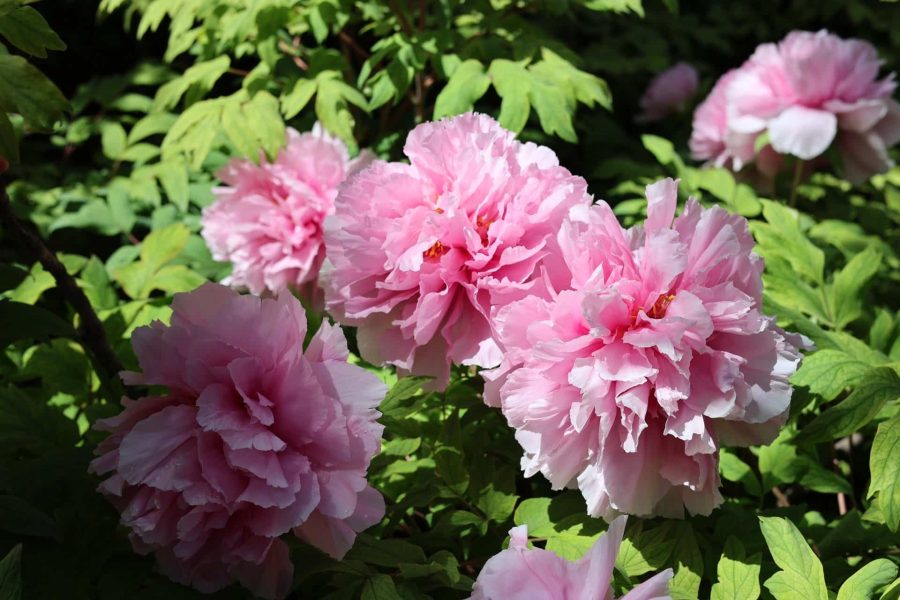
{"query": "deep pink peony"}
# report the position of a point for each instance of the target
(669, 92)
(523, 573)
(807, 93)
(629, 379)
(268, 222)
(255, 437)
(419, 253)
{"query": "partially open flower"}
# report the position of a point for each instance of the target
(523, 573)
(628, 379)
(268, 221)
(418, 254)
(669, 92)
(254, 437)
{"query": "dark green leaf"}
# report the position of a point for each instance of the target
(27, 30)
(885, 468)
(11, 575)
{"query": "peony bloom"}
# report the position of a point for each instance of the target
(629, 378)
(522, 573)
(807, 93)
(255, 437)
(669, 92)
(268, 222)
(419, 253)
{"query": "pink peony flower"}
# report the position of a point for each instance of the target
(523, 573)
(669, 92)
(628, 379)
(268, 223)
(808, 92)
(419, 253)
(254, 438)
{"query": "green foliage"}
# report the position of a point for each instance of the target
(115, 178)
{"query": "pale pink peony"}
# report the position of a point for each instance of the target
(807, 93)
(255, 437)
(523, 573)
(629, 378)
(268, 222)
(669, 92)
(419, 253)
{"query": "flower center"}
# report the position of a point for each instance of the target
(658, 310)
(436, 251)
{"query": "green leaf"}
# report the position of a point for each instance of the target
(513, 84)
(688, 565)
(380, 587)
(194, 132)
(738, 575)
(866, 581)
(333, 98)
(30, 425)
(11, 574)
(154, 124)
(645, 550)
(404, 389)
(662, 150)
(734, 469)
(846, 303)
(782, 237)
(829, 372)
(113, 139)
(198, 79)
(27, 30)
(173, 177)
(878, 386)
(19, 517)
(298, 98)
(163, 245)
(27, 91)
(385, 552)
(467, 84)
(885, 470)
(451, 468)
(9, 143)
(801, 577)
(24, 321)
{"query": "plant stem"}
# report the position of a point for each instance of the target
(795, 182)
(91, 332)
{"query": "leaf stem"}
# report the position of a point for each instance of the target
(92, 334)
(795, 182)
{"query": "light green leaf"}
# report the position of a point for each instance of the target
(162, 246)
(738, 575)
(867, 580)
(154, 124)
(802, 577)
(173, 177)
(468, 83)
(198, 79)
(781, 236)
(829, 372)
(643, 551)
(27, 30)
(688, 565)
(734, 469)
(113, 139)
(885, 468)
(298, 98)
(878, 386)
(513, 84)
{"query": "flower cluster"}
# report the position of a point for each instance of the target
(629, 378)
(268, 222)
(669, 92)
(254, 438)
(800, 97)
(523, 573)
(419, 253)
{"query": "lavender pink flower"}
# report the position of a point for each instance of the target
(268, 221)
(255, 437)
(419, 253)
(669, 92)
(627, 380)
(808, 93)
(523, 573)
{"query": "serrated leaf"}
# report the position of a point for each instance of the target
(513, 84)
(28, 31)
(688, 565)
(878, 386)
(885, 470)
(738, 576)
(27, 91)
(829, 372)
(802, 576)
(468, 83)
(867, 580)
